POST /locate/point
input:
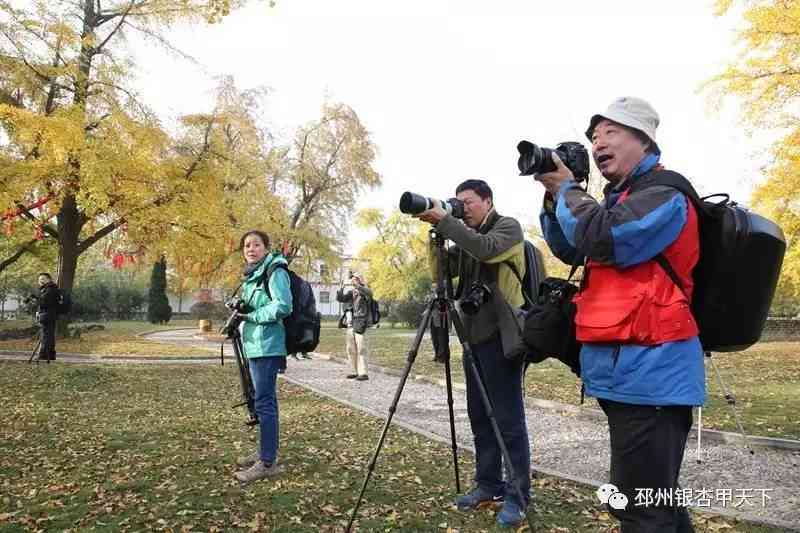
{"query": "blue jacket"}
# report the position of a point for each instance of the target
(627, 234)
(263, 334)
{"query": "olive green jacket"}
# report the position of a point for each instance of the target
(483, 256)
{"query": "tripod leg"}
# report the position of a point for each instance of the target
(35, 353)
(699, 431)
(454, 446)
(516, 481)
(412, 355)
(730, 399)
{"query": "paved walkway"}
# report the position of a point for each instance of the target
(763, 487)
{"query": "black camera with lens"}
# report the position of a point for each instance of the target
(414, 204)
(477, 295)
(238, 305)
(239, 308)
(538, 160)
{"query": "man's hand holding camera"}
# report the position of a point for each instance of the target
(432, 215)
(552, 181)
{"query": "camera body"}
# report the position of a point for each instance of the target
(414, 204)
(477, 295)
(538, 160)
(238, 308)
(237, 304)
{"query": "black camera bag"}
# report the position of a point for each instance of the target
(549, 328)
(549, 325)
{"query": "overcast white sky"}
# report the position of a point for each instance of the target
(448, 88)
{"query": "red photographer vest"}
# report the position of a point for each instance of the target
(641, 304)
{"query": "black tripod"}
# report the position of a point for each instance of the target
(231, 331)
(442, 309)
(35, 352)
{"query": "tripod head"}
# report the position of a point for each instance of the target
(440, 318)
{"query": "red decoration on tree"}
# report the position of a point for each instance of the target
(117, 261)
(38, 233)
(13, 213)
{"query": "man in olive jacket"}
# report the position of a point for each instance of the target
(358, 317)
(487, 244)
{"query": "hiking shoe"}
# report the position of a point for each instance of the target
(247, 461)
(474, 498)
(362, 377)
(351, 376)
(259, 470)
(511, 515)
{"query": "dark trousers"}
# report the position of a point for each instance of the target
(647, 445)
(503, 381)
(47, 345)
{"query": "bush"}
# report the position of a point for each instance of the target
(106, 297)
(408, 312)
(209, 310)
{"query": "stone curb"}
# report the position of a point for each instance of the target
(596, 415)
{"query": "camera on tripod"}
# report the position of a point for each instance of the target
(477, 295)
(538, 160)
(414, 204)
(238, 308)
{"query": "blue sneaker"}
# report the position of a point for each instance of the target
(475, 498)
(511, 515)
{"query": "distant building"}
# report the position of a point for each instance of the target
(324, 282)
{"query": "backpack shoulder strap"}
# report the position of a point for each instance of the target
(264, 280)
(515, 270)
(669, 178)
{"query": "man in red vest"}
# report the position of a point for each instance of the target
(641, 357)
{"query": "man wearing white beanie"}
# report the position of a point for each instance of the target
(641, 356)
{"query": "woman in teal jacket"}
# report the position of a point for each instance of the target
(264, 342)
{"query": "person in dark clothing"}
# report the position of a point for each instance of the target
(357, 319)
(488, 248)
(46, 316)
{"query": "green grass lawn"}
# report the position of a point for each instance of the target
(765, 379)
(140, 448)
(119, 338)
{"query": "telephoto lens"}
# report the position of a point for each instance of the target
(414, 204)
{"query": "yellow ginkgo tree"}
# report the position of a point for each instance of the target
(74, 135)
(765, 78)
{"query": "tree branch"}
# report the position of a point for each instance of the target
(25, 248)
(124, 15)
(47, 228)
(99, 234)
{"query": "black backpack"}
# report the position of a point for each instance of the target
(303, 324)
(741, 254)
(64, 302)
(375, 312)
(535, 273)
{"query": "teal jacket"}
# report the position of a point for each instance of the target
(263, 334)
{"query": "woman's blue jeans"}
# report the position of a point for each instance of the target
(264, 371)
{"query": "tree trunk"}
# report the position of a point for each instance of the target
(69, 228)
